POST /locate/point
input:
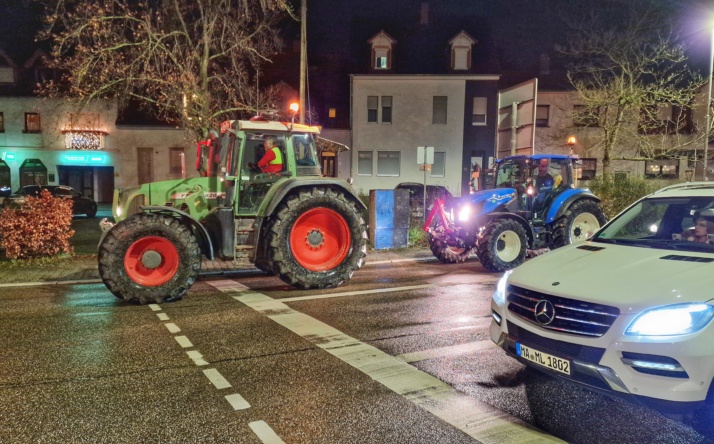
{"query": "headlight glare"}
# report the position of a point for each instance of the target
(671, 320)
(464, 213)
(500, 295)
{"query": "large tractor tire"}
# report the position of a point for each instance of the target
(502, 245)
(149, 258)
(317, 239)
(580, 221)
(442, 251)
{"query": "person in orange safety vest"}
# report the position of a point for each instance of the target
(272, 161)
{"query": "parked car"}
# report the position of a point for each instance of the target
(81, 204)
(416, 196)
(627, 312)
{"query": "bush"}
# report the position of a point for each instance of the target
(617, 193)
(40, 228)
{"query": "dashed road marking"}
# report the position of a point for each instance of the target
(162, 316)
(354, 293)
(216, 378)
(183, 341)
(173, 328)
(479, 420)
(155, 307)
(196, 357)
(264, 433)
(237, 402)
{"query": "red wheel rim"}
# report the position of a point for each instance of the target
(143, 252)
(320, 239)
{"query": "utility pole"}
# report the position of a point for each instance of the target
(303, 57)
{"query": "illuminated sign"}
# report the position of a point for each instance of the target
(85, 159)
(7, 155)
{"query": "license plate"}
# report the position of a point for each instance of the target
(544, 359)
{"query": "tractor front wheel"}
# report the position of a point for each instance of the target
(502, 245)
(317, 239)
(580, 221)
(149, 258)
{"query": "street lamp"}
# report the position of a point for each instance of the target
(708, 104)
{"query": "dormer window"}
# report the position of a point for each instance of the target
(382, 45)
(461, 46)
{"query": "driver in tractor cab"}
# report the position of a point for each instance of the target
(272, 160)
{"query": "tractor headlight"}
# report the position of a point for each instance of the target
(671, 320)
(465, 213)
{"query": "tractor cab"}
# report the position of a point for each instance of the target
(233, 156)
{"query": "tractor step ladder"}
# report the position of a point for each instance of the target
(242, 242)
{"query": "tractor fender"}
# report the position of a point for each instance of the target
(291, 185)
(563, 201)
(487, 218)
(204, 239)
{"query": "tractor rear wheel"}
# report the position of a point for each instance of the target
(580, 221)
(317, 239)
(149, 258)
(502, 245)
(444, 252)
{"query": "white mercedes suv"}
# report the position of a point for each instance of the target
(629, 311)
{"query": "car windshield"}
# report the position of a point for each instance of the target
(668, 223)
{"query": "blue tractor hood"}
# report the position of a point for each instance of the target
(487, 201)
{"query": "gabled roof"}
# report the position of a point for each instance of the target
(383, 34)
(10, 62)
(38, 55)
(464, 34)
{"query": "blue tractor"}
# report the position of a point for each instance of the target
(534, 206)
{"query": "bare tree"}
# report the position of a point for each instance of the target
(193, 62)
(635, 93)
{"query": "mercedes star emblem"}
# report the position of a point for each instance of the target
(544, 312)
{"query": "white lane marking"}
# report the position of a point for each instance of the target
(183, 341)
(173, 328)
(155, 307)
(237, 402)
(162, 316)
(394, 261)
(353, 293)
(265, 434)
(453, 350)
(196, 357)
(42, 283)
(475, 418)
(216, 378)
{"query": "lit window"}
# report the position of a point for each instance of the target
(479, 113)
(438, 169)
(7, 75)
(32, 123)
(332, 113)
(372, 105)
(386, 109)
(388, 163)
(176, 160)
(439, 110)
(364, 163)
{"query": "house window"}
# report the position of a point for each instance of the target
(7, 75)
(542, 112)
(388, 163)
(32, 123)
(381, 58)
(585, 116)
(479, 113)
(176, 160)
(364, 163)
(386, 109)
(372, 105)
(2, 122)
(588, 169)
(666, 119)
(439, 110)
(668, 168)
(460, 58)
(332, 113)
(438, 169)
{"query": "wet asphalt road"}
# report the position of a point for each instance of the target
(399, 355)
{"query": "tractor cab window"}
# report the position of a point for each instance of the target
(509, 174)
(304, 146)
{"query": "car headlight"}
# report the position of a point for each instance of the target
(500, 295)
(671, 320)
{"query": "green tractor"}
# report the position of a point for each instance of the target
(294, 223)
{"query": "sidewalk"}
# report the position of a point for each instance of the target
(84, 267)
